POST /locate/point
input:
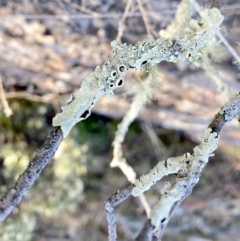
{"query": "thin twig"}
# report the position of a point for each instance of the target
(146, 232)
(15, 194)
(159, 148)
(82, 8)
(141, 98)
(121, 23)
(145, 204)
(145, 19)
(117, 198)
(80, 16)
(6, 109)
(93, 15)
(36, 98)
(154, 15)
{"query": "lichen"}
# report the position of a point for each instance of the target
(188, 172)
(145, 53)
(186, 162)
(230, 110)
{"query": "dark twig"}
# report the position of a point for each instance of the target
(146, 232)
(13, 197)
(110, 205)
(217, 123)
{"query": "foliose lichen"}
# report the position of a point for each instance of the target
(140, 56)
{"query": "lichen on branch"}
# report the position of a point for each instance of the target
(141, 56)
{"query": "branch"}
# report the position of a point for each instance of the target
(145, 19)
(104, 80)
(15, 194)
(182, 16)
(143, 95)
(226, 114)
(146, 232)
(188, 168)
(118, 197)
(142, 56)
(121, 23)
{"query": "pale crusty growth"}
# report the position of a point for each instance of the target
(187, 178)
(231, 109)
(209, 19)
(141, 56)
(186, 163)
(163, 168)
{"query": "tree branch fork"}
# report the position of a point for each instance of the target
(186, 167)
(188, 171)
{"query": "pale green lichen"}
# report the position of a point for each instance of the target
(174, 164)
(210, 52)
(146, 53)
(231, 109)
(188, 176)
(163, 168)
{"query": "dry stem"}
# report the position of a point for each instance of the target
(6, 109)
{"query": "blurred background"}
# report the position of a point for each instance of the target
(47, 48)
